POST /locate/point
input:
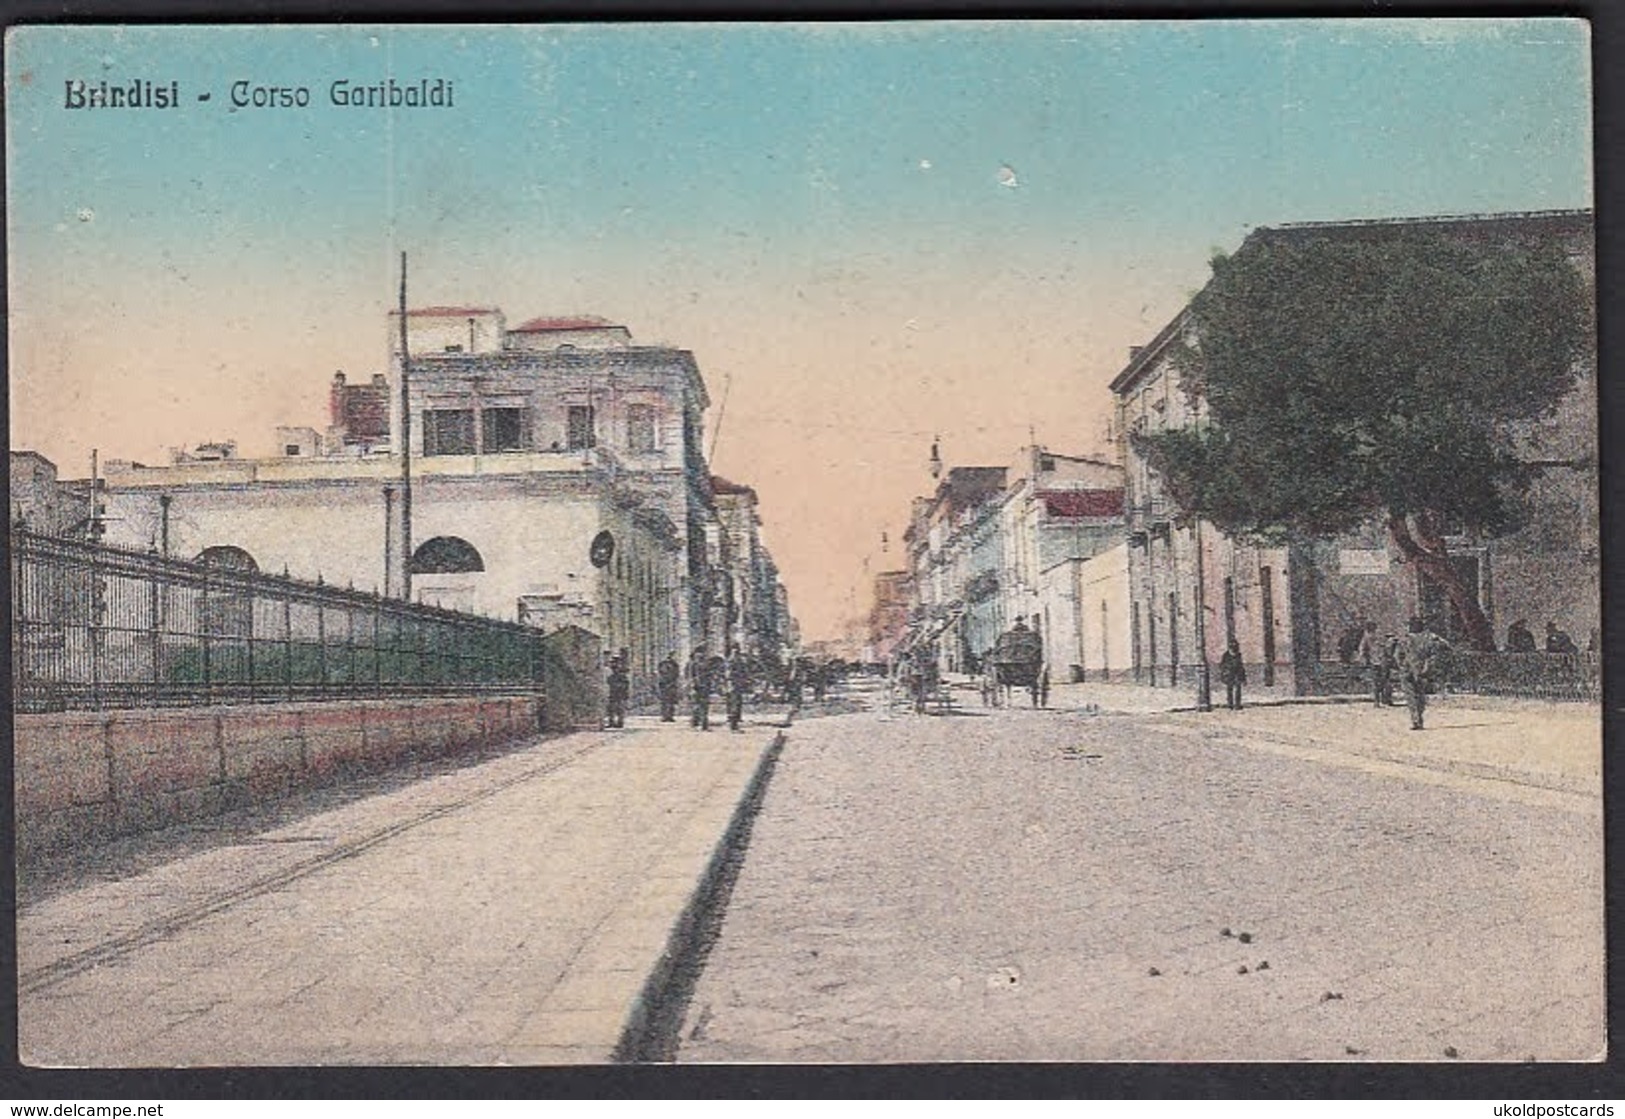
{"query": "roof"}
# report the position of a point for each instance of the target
(721, 485)
(1082, 503)
(1575, 218)
(1145, 356)
(568, 322)
(448, 312)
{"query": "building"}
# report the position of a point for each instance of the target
(1033, 541)
(888, 615)
(746, 602)
(43, 503)
(1193, 587)
(557, 478)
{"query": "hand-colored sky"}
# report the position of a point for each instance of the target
(867, 234)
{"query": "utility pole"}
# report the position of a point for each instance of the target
(405, 450)
(1204, 681)
(97, 527)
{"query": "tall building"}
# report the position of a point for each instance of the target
(1288, 605)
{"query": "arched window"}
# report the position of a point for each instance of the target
(446, 555)
(228, 557)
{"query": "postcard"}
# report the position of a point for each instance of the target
(805, 543)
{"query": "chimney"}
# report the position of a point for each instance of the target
(335, 401)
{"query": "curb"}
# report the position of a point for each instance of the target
(651, 1032)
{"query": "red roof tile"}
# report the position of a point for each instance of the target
(1082, 503)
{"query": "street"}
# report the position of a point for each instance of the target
(1056, 885)
(1105, 881)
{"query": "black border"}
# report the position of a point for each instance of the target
(1298, 1081)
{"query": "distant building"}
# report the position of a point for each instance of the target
(358, 416)
(43, 503)
(1287, 606)
(745, 600)
(888, 615)
(558, 479)
(1032, 541)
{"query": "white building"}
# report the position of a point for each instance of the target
(556, 477)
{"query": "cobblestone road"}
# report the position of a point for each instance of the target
(1059, 886)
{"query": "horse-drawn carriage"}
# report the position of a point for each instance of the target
(1017, 661)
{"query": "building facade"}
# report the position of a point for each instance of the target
(1192, 587)
(997, 544)
(556, 479)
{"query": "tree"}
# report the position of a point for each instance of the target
(1376, 371)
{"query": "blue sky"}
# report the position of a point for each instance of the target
(817, 211)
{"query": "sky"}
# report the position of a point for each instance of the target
(870, 235)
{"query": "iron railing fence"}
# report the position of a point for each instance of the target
(96, 626)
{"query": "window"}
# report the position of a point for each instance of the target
(503, 429)
(640, 427)
(228, 557)
(446, 555)
(291, 450)
(578, 427)
(448, 431)
(1046, 463)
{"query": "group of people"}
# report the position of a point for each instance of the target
(1415, 661)
(705, 676)
(1558, 642)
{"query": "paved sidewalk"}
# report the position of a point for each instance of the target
(1544, 744)
(508, 913)
(1141, 699)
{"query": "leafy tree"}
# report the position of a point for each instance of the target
(1374, 372)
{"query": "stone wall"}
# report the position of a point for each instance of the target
(80, 777)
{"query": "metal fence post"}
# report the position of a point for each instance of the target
(287, 635)
(377, 642)
(252, 612)
(321, 647)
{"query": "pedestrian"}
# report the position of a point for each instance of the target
(1421, 657)
(792, 688)
(738, 683)
(1233, 673)
(1382, 670)
(670, 684)
(1366, 651)
(1559, 642)
(1519, 639)
(699, 687)
(1348, 646)
(619, 687)
(1043, 687)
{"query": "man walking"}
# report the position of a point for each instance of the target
(619, 685)
(1233, 673)
(1382, 670)
(699, 685)
(1420, 660)
(669, 684)
(738, 684)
